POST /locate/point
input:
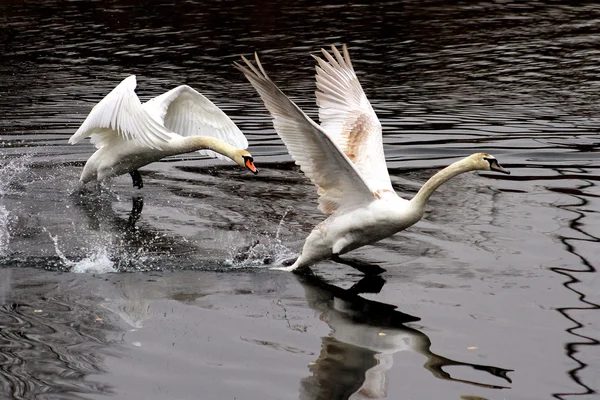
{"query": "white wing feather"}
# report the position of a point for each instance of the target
(339, 183)
(349, 119)
(120, 116)
(186, 112)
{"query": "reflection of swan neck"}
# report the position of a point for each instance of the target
(375, 385)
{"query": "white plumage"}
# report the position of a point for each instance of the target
(348, 118)
(129, 134)
(344, 158)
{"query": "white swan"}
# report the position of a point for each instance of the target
(129, 134)
(344, 158)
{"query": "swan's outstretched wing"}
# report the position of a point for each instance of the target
(339, 183)
(120, 116)
(348, 118)
(188, 113)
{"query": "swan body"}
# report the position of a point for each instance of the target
(344, 158)
(129, 134)
(345, 231)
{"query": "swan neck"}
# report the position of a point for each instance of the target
(195, 143)
(438, 179)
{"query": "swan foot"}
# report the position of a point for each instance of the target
(365, 268)
(137, 179)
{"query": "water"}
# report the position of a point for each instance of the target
(147, 294)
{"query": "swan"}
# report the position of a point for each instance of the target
(129, 134)
(344, 158)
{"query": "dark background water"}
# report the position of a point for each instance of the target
(501, 271)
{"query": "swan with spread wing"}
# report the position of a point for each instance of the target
(344, 158)
(129, 134)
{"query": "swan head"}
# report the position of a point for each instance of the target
(487, 162)
(245, 159)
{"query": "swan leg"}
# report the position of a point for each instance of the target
(365, 268)
(287, 269)
(137, 179)
(296, 268)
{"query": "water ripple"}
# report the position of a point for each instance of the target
(50, 345)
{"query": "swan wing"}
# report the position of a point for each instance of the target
(120, 116)
(339, 183)
(187, 112)
(348, 117)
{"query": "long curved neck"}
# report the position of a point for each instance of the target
(195, 143)
(438, 179)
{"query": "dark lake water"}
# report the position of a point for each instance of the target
(493, 295)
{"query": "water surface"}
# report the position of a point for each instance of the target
(492, 295)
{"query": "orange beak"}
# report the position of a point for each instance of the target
(251, 167)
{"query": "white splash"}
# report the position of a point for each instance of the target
(4, 231)
(268, 252)
(97, 262)
(9, 172)
(287, 210)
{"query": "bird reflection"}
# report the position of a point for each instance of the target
(136, 209)
(98, 210)
(130, 237)
(356, 356)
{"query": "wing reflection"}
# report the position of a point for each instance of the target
(365, 334)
